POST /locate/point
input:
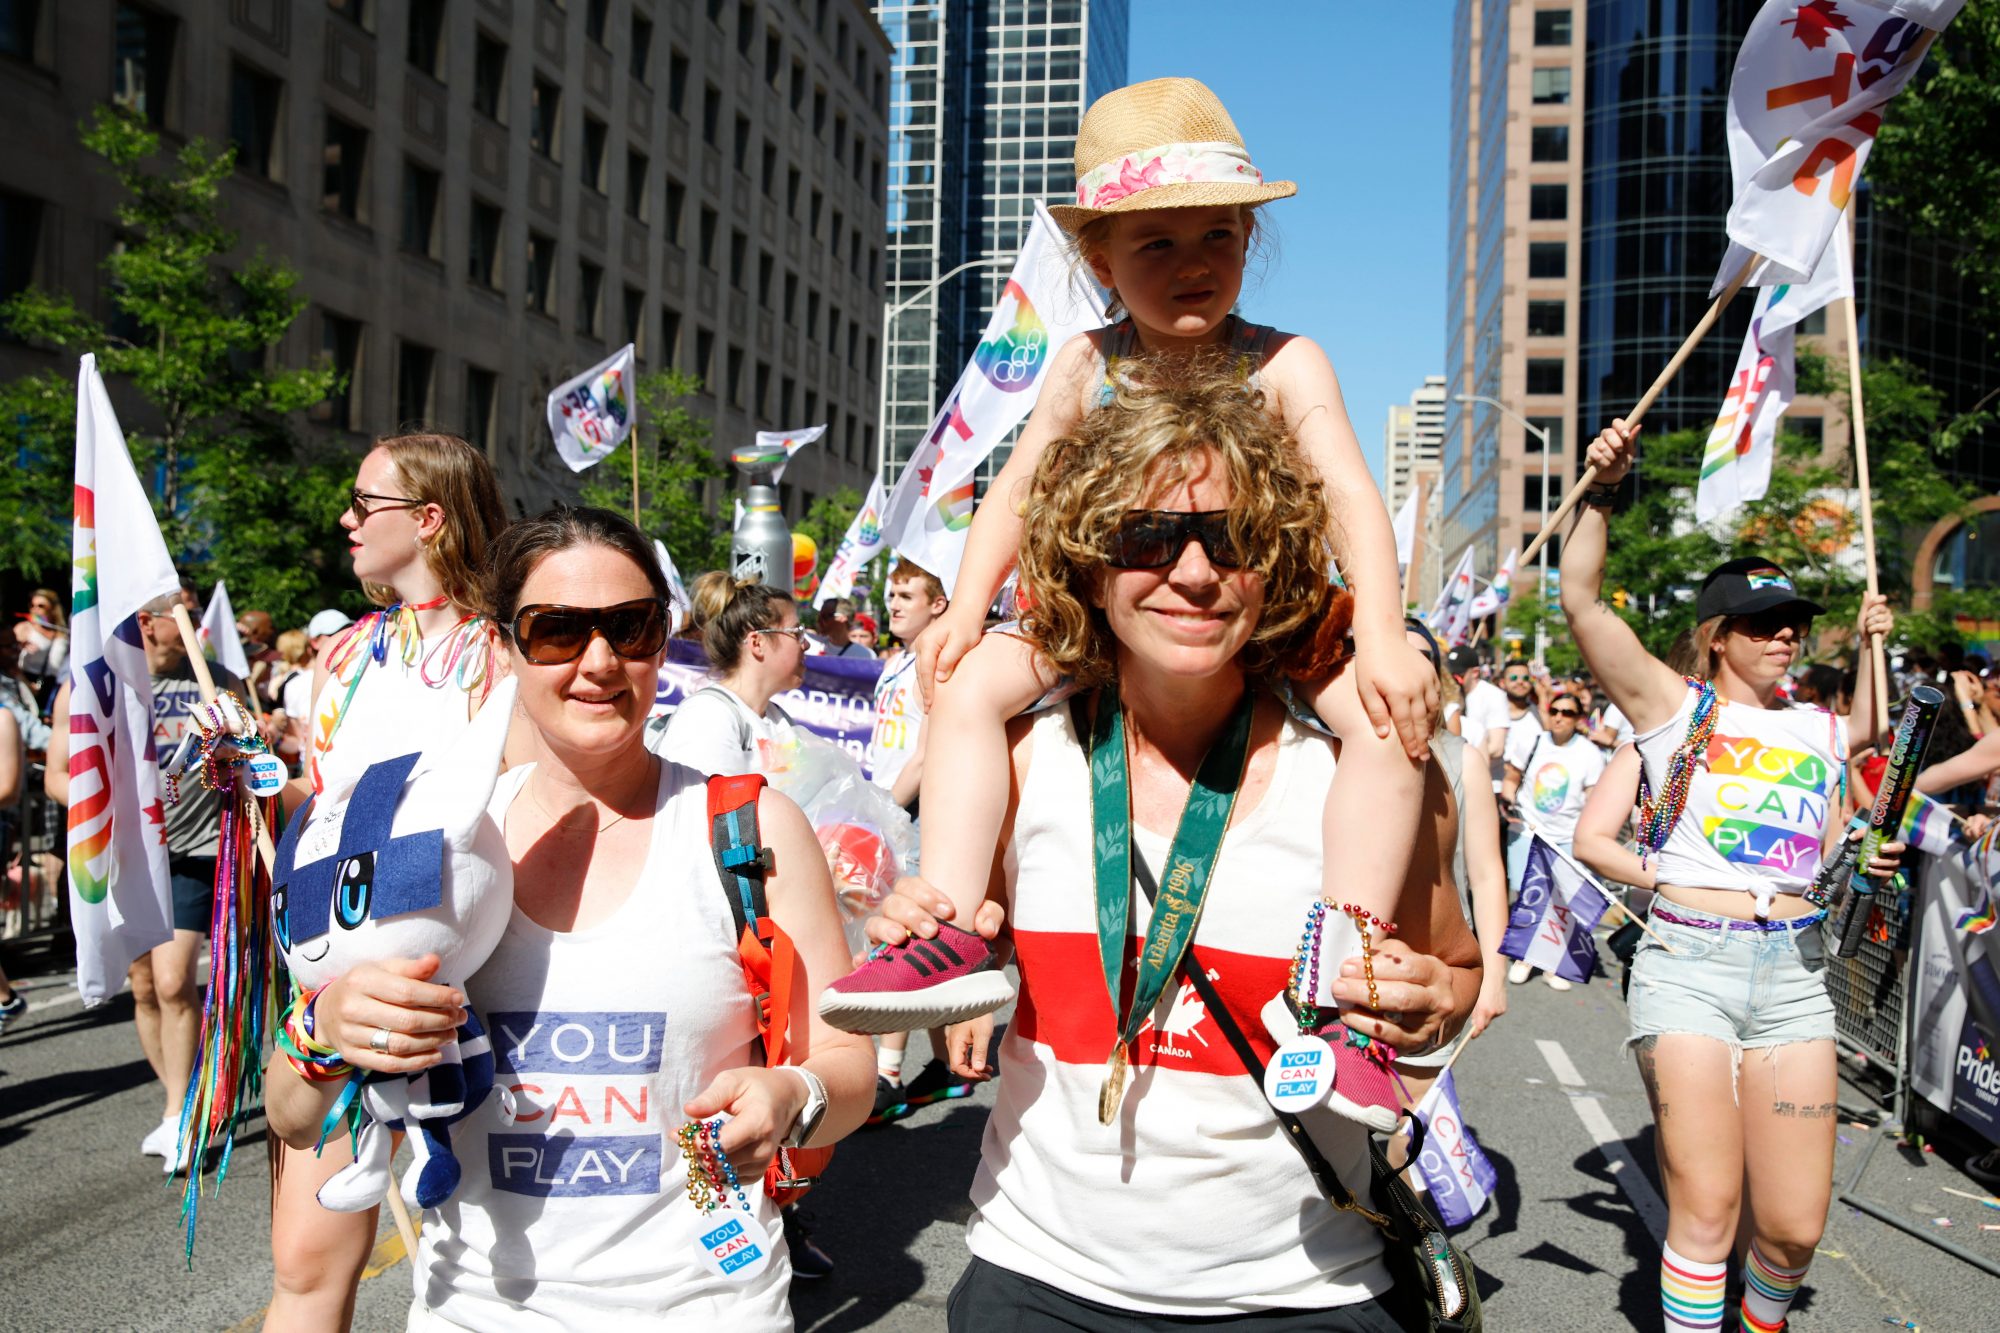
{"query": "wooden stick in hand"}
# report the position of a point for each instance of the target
(1645, 403)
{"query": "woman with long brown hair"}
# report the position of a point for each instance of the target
(422, 515)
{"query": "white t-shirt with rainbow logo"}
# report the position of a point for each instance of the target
(1554, 779)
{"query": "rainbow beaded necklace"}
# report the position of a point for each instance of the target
(1659, 813)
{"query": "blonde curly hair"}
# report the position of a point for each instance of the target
(1163, 423)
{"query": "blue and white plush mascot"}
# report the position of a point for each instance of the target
(400, 867)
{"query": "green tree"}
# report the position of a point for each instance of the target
(236, 488)
(675, 467)
(1937, 158)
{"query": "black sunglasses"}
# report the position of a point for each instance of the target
(1155, 538)
(552, 635)
(1767, 624)
(358, 500)
(1564, 712)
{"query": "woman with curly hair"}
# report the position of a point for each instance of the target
(1176, 570)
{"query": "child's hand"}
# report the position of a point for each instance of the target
(940, 648)
(1397, 685)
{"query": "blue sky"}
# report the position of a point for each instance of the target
(1349, 100)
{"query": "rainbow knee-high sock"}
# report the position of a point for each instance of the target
(1690, 1292)
(1767, 1292)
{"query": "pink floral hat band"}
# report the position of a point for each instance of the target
(1171, 164)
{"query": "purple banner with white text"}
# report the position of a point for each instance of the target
(836, 702)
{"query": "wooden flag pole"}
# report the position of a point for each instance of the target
(1634, 918)
(1858, 433)
(1645, 403)
(191, 641)
(635, 480)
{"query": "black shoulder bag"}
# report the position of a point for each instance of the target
(1417, 1250)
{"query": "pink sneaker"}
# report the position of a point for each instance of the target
(1362, 1089)
(918, 984)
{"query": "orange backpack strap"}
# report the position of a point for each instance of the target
(742, 861)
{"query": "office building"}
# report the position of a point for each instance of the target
(1588, 183)
(1412, 438)
(483, 197)
(985, 102)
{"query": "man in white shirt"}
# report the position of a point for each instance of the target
(1557, 766)
(896, 762)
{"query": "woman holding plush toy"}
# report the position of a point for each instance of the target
(409, 677)
(625, 1182)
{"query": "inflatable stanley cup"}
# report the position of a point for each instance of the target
(762, 545)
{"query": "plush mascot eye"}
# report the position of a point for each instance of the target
(280, 923)
(356, 886)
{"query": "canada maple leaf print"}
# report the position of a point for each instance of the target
(1816, 21)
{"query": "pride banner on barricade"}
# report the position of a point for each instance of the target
(836, 702)
(1457, 1174)
(1954, 1010)
(1552, 919)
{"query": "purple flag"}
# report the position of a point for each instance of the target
(1558, 908)
(1455, 1171)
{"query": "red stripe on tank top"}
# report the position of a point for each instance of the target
(1064, 1006)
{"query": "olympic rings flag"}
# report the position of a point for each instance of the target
(119, 894)
(591, 415)
(1047, 301)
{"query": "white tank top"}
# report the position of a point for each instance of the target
(369, 711)
(1192, 1202)
(576, 1216)
(1757, 808)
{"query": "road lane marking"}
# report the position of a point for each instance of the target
(1624, 1169)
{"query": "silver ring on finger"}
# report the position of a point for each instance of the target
(379, 1043)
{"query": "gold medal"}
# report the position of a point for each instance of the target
(1113, 1091)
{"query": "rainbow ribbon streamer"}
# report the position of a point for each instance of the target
(1978, 921)
(238, 1012)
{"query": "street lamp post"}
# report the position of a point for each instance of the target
(1540, 433)
(888, 325)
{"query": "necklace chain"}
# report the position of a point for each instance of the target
(556, 820)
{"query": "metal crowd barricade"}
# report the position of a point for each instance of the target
(33, 895)
(1869, 989)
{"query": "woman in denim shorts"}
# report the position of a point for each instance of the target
(1730, 1016)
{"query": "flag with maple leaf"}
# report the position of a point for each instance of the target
(120, 899)
(1048, 300)
(1805, 102)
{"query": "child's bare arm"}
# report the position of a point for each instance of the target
(1395, 682)
(995, 537)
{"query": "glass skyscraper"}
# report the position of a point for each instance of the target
(985, 100)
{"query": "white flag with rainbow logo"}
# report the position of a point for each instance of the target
(120, 902)
(775, 447)
(1047, 301)
(862, 543)
(591, 415)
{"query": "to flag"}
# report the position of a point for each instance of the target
(1805, 102)
(1047, 301)
(591, 415)
(219, 636)
(1926, 825)
(1405, 528)
(1451, 617)
(863, 542)
(1493, 597)
(1552, 919)
(676, 593)
(1456, 1173)
(120, 906)
(775, 447)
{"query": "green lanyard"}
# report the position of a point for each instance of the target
(1191, 861)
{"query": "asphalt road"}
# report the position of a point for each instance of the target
(92, 1238)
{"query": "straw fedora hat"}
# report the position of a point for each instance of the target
(1165, 143)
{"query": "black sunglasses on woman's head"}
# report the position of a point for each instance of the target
(550, 635)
